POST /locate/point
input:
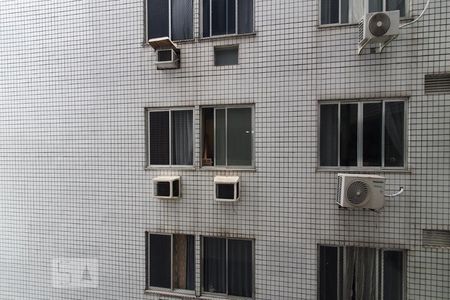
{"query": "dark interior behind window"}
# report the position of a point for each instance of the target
(372, 129)
(160, 260)
(329, 132)
(157, 18)
(394, 134)
(349, 135)
(214, 265)
(159, 137)
(240, 268)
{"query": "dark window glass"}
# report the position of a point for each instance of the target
(219, 17)
(176, 188)
(349, 134)
(396, 5)
(375, 5)
(225, 191)
(224, 56)
(372, 128)
(159, 137)
(344, 11)
(164, 55)
(329, 11)
(221, 138)
(239, 136)
(231, 16)
(328, 273)
(208, 137)
(394, 134)
(245, 16)
(214, 265)
(240, 268)
(329, 135)
(157, 18)
(184, 262)
(206, 12)
(182, 137)
(393, 275)
(160, 261)
(181, 19)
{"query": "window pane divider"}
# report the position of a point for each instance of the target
(210, 28)
(170, 19)
(383, 129)
(226, 137)
(171, 261)
(170, 137)
(339, 136)
(236, 16)
(359, 136)
(226, 265)
(215, 137)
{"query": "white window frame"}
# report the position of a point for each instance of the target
(365, 11)
(148, 143)
(146, 37)
(359, 165)
(226, 166)
(379, 269)
(236, 21)
(226, 275)
(147, 258)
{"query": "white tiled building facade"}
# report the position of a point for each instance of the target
(76, 79)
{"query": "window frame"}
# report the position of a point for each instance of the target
(148, 287)
(202, 275)
(226, 166)
(360, 130)
(148, 140)
(146, 37)
(379, 276)
(408, 15)
(210, 36)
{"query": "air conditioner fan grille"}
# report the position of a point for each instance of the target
(357, 192)
(379, 24)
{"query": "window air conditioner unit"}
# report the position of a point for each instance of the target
(378, 27)
(167, 187)
(360, 191)
(167, 53)
(226, 188)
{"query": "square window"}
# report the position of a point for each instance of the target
(227, 136)
(351, 11)
(171, 261)
(354, 273)
(170, 137)
(228, 266)
(169, 18)
(363, 134)
(222, 17)
(225, 56)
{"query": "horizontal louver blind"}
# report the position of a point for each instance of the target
(436, 238)
(437, 83)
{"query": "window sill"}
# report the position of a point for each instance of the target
(362, 170)
(192, 168)
(172, 168)
(178, 294)
(188, 295)
(145, 44)
(226, 36)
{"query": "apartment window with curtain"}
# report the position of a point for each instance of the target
(227, 136)
(170, 137)
(361, 273)
(170, 261)
(228, 266)
(169, 18)
(222, 17)
(351, 11)
(365, 134)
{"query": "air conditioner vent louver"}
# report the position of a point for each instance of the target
(437, 83)
(436, 238)
(361, 31)
(357, 192)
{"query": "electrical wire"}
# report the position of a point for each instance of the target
(396, 193)
(420, 16)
